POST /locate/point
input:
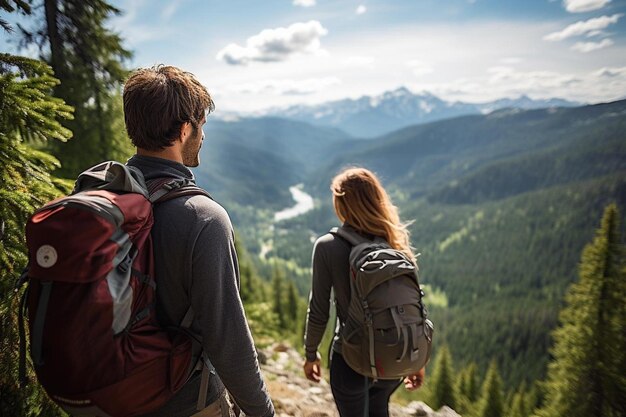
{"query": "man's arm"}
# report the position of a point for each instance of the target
(219, 313)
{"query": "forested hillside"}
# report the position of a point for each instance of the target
(503, 205)
(254, 161)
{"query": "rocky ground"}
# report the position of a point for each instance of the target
(295, 396)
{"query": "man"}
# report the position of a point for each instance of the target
(195, 259)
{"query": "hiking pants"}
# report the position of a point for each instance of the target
(349, 390)
(222, 407)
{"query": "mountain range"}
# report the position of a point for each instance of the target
(370, 116)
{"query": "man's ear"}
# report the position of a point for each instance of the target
(185, 131)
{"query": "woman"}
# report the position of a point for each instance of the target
(361, 203)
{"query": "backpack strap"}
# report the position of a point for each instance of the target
(165, 189)
(350, 235)
(203, 364)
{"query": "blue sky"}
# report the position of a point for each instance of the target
(257, 54)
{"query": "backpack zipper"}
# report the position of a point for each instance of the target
(92, 205)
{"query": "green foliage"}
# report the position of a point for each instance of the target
(467, 389)
(27, 112)
(274, 309)
(587, 376)
(491, 402)
(278, 297)
(442, 384)
(252, 289)
(87, 58)
(13, 6)
(264, 323)
(519, 404)
(510, 270)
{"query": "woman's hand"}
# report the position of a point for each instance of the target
(414, 381)
(313, 370)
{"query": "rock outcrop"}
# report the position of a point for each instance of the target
(295, 396)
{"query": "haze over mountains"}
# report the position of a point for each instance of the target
(370, 116)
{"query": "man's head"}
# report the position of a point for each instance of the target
(166, 107)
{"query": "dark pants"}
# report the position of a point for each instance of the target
(350, 391)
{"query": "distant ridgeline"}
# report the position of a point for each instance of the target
(503, 204)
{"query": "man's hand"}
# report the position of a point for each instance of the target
(313, 370)
(414, 381)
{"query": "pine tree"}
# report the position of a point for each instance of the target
(28, 115)
(532, 398)
(588, 374)
(249, 282)
(517, 407)
(491, 402)
(87, 58)
(442, 388)
(467, 389)
(277, 295)
(292, 305)
(470, 388)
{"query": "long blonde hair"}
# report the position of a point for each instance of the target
(361, 201)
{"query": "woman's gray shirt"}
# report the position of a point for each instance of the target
(331, 270)
(196, 265)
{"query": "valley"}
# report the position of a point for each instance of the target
(502, 205)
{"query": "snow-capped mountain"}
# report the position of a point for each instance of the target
(370, 116)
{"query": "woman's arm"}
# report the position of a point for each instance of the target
(319, 300)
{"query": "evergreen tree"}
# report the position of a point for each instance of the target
(249, 282)
(532, 398)
(277, 296)
(292, 305)
(470, 389)
(467, 389)
(491, 400)
(87, 58)
(442, 388)
(28, 115)
(588, 374)
(518, 405)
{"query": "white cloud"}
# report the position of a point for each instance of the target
(288, 86)
(611, 72)
(580, 6)
(361, 9)
(583, 27)
(419, 68)
(369, 62)
(596, 33)
(304, 3)
(591, 46)
(275, 45)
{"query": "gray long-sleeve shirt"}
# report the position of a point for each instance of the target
(331, 270)
(196, 265)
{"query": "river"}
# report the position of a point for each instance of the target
(304, 203)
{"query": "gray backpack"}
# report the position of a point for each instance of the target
(387, 334)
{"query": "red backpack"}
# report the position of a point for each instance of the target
(95, 341)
